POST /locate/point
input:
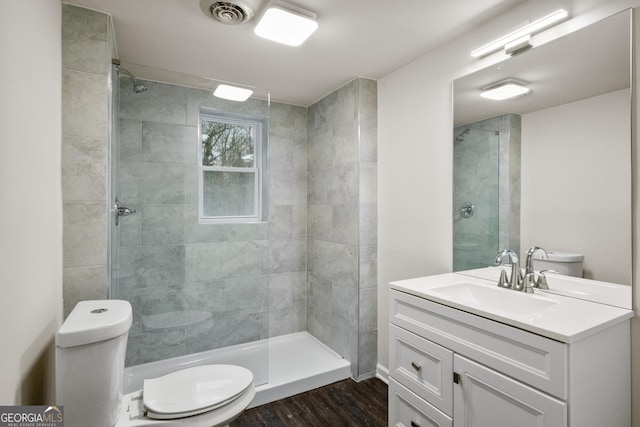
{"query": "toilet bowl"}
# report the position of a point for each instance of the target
(90, 352)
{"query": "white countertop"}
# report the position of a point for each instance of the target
(554, 316)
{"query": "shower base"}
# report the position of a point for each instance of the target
(282, 366)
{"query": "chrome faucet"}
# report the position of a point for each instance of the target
(516, 281)
(530, 276)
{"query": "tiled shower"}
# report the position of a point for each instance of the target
(486, 167)
(310, 266)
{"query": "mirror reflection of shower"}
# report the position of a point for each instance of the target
(486, 157)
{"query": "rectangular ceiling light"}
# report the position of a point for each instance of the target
(506, 89)
(528, 29)
(232, 93)
(287, 25)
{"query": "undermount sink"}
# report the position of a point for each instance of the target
(500, 299)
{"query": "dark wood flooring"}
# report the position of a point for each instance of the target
(345, 403)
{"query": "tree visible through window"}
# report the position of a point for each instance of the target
(229, 177)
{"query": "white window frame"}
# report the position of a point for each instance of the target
(257, 136)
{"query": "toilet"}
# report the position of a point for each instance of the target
(90, 355)
(566, 263)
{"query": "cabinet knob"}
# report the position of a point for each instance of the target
(416, 366)
(414, 424)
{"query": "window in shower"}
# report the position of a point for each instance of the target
(230, 176)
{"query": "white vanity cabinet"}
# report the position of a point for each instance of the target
(449, 367)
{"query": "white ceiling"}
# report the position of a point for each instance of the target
(355, 38)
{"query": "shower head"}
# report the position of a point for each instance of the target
(460, 136)
(138, 87)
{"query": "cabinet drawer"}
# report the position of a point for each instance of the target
(408, 410)
(530, 358)
(423, 367)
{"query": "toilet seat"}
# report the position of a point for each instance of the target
(194, 391)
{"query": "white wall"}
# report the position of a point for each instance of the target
(572, 152)
(415, 129)
(30, 199)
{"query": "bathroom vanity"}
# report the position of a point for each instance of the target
(464, 352)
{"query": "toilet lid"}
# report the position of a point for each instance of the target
(194, 390)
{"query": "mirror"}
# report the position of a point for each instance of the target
(551, 168)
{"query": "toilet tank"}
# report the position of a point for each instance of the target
(569, 264)
(90, 351)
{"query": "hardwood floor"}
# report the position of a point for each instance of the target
(345, 403)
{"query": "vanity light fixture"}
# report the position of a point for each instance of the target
(286, 24)
(518, 34)
(232, 93)
(505, 89)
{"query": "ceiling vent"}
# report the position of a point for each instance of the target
(227, 12)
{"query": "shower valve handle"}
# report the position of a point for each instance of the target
(122, 211)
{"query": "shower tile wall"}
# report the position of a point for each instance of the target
(86, 52)
(249, 278)
(487, 169)
(342, 224)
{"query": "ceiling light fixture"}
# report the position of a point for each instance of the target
(232, 93)
(505, 89)
(528, 29)
(286, 24)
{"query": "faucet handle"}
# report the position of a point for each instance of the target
(501, 257)
(541, 283)
(529, 283)
(503, 282)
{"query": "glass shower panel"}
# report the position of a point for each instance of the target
(194, 286)
(475, 197)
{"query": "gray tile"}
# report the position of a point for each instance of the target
(368, 309)
(319, 294)
(195, 232)
(287, 188)
(150, 346)
(207, 296)
(288, 120)
(223, 332)
(129, 228)
(84, 104)
(345, 224)
(223, 260)
(368, 183)
(247, 295)
(83, 283)
(248, 231)
(286, 321)
(85, 45)
(145, 266)
(84, 169)
(168, 143)
(344, 305)
(368, 225)
(162, 224)
(284, 256)
(337, 185)
(144, 182)
(320, 221)
(368, 266)
(368, 140)
(130, 139)
(162, 103)
(84, 234)
(287, 290)
(367, 353)
(287, 221)
(334, 261)
(319, 325)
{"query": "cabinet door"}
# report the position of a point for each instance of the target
(406, 409)
(486, 398)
